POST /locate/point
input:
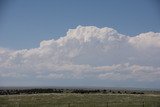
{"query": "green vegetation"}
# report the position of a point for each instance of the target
(80, 100)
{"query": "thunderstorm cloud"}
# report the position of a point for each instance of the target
(87, 53)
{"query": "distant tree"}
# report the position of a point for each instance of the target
(104, 91)
(119, 92)
(113, 92)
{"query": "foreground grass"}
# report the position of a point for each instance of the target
(80, 100)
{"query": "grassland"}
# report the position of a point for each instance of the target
(80, 100)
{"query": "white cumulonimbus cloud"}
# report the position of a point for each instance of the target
(87, 52)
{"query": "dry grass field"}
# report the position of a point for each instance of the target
(80, 100)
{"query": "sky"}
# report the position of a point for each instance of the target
(106, 43)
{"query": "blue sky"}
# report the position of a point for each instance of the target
(117, 44)
(24, 23)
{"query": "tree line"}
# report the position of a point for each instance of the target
(81, 91)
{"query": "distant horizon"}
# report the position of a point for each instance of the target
(79, 87)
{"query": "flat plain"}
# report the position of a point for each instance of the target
(80, 100)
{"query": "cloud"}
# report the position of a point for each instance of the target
(87, 53)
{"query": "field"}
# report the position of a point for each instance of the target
(80, 100)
